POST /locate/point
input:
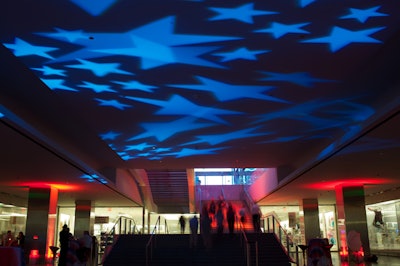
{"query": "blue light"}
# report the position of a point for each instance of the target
(188, 67)
(95, 8)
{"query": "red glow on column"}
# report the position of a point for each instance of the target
(61, 187)
(51, 224)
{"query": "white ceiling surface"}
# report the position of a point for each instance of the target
(51, 136)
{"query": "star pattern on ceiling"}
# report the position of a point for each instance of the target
(188, 72)
(362, 15)
(341, 37)
(243, 13)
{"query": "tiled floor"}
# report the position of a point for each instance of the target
(382, 260)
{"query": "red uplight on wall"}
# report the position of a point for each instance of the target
(34, 254)
(356, 181)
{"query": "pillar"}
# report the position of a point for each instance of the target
(311, 219)
(40, 224)
(84, 220)
(352, 221)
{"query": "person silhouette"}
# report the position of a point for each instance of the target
(182, 223)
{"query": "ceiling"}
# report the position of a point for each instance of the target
(308, 87)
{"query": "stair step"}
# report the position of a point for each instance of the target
(174, 250)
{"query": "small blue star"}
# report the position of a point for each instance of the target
(226, 92)
(98, 88)
(190, 152)
(99, 69)
(135, 85)
(61, 34)
(278, 29)
(178, 105)
(299, 78)
(341, 37)
(304, 3)
(113, 103)
(221, 138)
(54, 84)
(242, 13)
(241, 53)
(22, 48)
(111, 135)
(363, 15)
(94, 8)
(48, 71)
(139, 147)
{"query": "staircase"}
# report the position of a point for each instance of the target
(174, 250)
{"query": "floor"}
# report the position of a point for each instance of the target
(382, 260)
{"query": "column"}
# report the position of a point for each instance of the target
(311, 219)
(352, 222)
(40, 224)
(84, 220)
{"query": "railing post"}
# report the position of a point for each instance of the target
(273, 224)
(248, 254)
(256, 253)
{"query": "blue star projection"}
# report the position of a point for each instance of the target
(182, 78)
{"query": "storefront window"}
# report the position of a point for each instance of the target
(12, 218)
(327, 222)
(383, 225)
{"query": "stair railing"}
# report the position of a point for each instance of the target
(152, 241)
(272, 225)
(247, 246)
(121, 226)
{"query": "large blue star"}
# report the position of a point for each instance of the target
(161, 48)
(299, 78)
(22, 48)
(98, 88)
(363, 15)
(226, 92)
(241, 53)
(278, 29)
(178, 105)
(163, 131)
(99, 69)
(242, 13)
(341, 37)
(155, 50)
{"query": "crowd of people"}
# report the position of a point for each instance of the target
(222, 216)
(10, 240)
(77, 251)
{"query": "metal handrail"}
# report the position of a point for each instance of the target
(151, 242)
(247, 245)
(280, 233)
(119, 222)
